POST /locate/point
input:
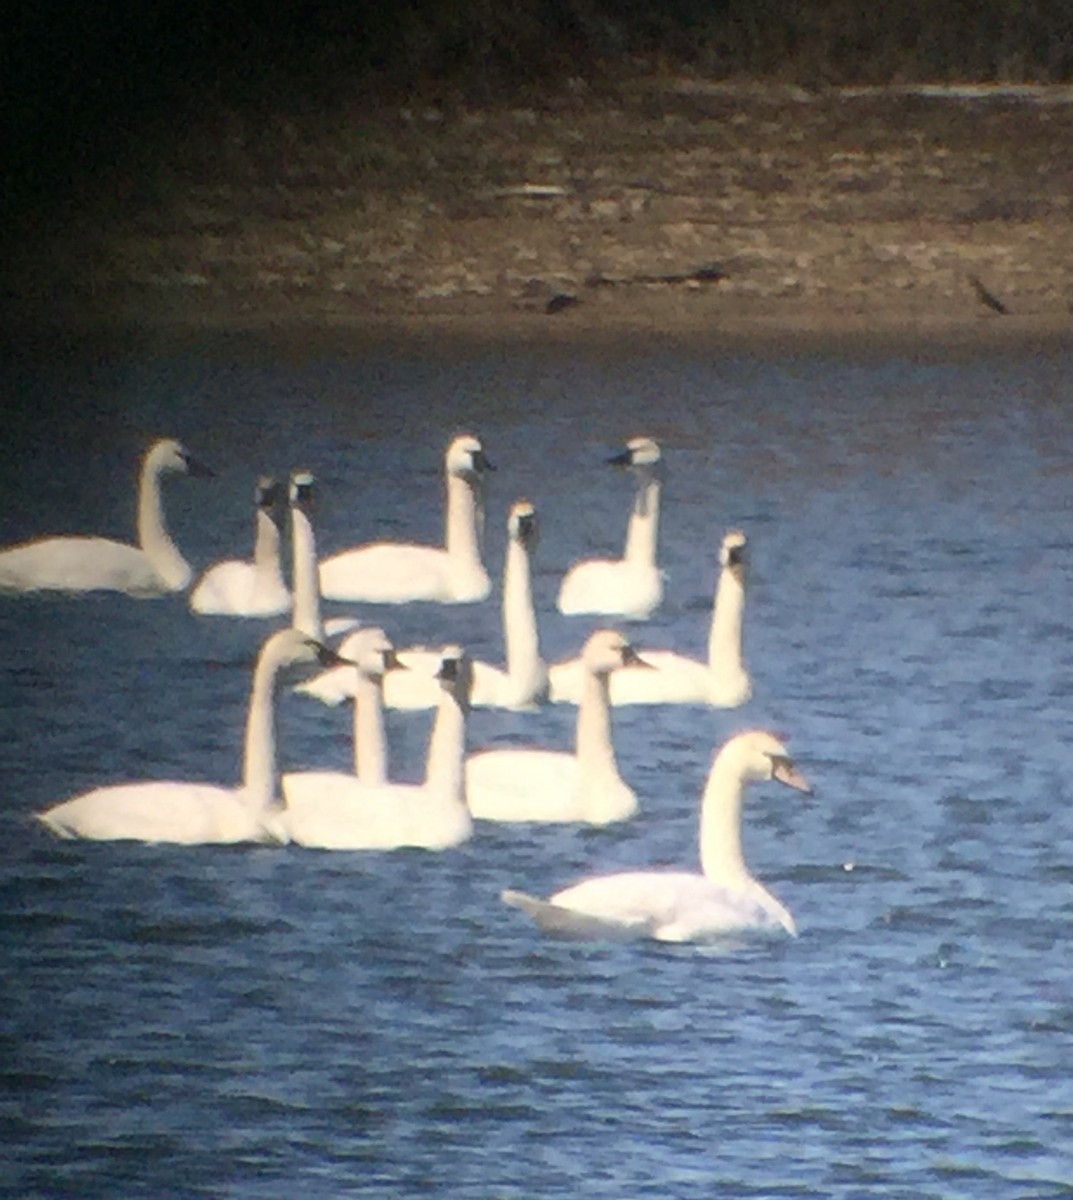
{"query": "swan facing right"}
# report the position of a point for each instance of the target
(722, 901)
(399, 572)
(192, 814)
(76, 563)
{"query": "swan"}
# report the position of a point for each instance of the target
(75, 563)
(632, 586)
(682, 906)
(524, 682)
(198, 813)
(548, 785)
(722, 681)
(432, 815)
(397, 572)
(250, 589)
(369, 656)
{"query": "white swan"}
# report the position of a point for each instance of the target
(250, 589)
(722, 681)
(76, 563)
(433, 815)
(549, 785)
(524, 682)
(197, 813)
(397, 572)
(633, 585)
(369, 656)
(680, 906)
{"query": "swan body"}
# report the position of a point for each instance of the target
(198, 813)
(154, 567)
(432, 816)
(250, 589)
(523, 684)
(677, 906)
(545, 785)
(398, 572)
(722, 681)
(633, 585)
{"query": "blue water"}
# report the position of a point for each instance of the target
(262, 1022)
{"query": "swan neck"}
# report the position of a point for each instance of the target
(306, 616)
(725, 639)
(594, 747)
(445, 769)
(153, 536)
(721, 856)
(370, 742)
(465, 520)
(259, 776)
(266, 562)
(643, 529)
(520, 637)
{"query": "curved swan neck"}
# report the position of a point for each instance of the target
(721, 857)
(259, 776)
(370, 742)
(725, 639)
(465, 520)
(445, 769)
(643, 530)
(266, 562)
(520, 636)
(593, 745)
(153, 536)
(306, 616)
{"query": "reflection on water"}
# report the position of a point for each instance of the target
(236, 1022)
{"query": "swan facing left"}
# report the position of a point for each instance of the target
(200, 813)
(723, 901)
(250, 589)
(76, 563)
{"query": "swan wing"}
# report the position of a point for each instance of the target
(235, 589)
(523, 785)
(386, 573)
(79, 564)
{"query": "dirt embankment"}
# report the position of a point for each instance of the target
(668, 206)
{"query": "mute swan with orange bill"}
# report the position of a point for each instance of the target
(722, 682)
(550, 785)
(722, 901)
(77, 563)
(200, 813)
(399, 572)
(250, 589)
(633, 585)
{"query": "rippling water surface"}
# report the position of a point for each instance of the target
(251, 1022)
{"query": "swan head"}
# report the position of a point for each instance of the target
(303, 492)
(455, 673)
(268, 497)
(290, 647)
(641, 452)
(732, 553)
(466, 457)
(760, 755)
(522, 524)
(607, 650)
(169, 457)
(371, 651)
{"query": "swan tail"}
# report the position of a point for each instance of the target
(565, 922)
(53, 825)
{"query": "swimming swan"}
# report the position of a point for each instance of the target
(74, 563)
(197, 813)
(369, 656)
(250, 589)
(397, 572)
(524, 683)
(722, 681)
(548, 785)
(680, 906)
(433, 815)
(633, 586)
